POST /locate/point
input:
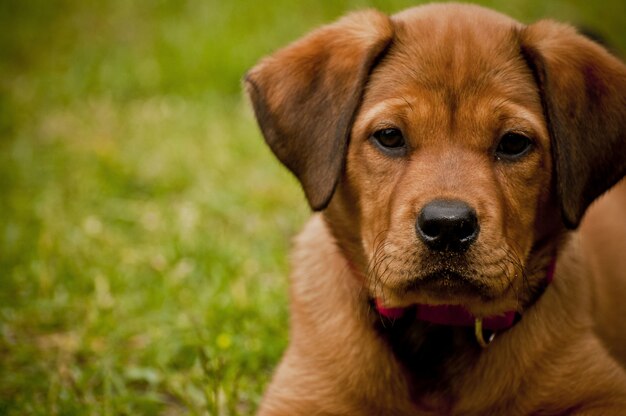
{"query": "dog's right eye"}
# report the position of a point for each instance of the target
(513, 146)
(390, 140)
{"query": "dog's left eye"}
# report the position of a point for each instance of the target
(513, 146)
(390, 140)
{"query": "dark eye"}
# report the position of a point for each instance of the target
(513, 146)
(390, 140)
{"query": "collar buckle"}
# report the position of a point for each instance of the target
(478, 331)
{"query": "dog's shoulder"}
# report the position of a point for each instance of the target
(603, 238)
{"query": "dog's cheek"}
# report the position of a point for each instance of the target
(521, 186)
(374, 178)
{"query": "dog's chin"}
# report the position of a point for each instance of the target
(446, 288)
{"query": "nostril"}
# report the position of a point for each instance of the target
(468, 229)
(430, 229)
(447, 225)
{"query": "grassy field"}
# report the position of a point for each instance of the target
(144, 225)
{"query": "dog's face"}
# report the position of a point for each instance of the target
(449, 159)
(469, 134)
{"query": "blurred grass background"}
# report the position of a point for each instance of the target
(144, 226)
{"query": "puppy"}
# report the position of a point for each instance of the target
(450, 153)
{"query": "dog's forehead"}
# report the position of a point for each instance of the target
(453, 49)
(452, 63)
(454, 25)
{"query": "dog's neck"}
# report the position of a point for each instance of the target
(432, 356)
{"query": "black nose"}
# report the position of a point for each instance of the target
(447, 225)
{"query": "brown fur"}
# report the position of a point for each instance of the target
(453, 78)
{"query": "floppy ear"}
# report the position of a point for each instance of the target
(305, 97)
(583, 89)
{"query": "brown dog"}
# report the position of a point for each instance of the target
(452, 151)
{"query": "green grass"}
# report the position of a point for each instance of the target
(144, 225)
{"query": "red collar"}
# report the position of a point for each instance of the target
(457, 315)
